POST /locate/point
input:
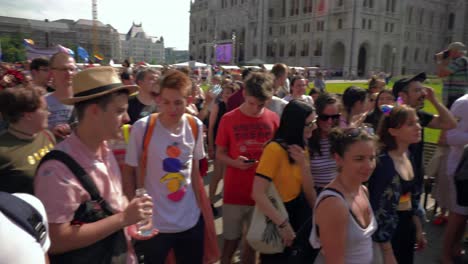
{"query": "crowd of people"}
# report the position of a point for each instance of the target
(111, 162)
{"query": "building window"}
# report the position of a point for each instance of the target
(391, 27)
(320, 25)
(410, 14)
(283, 9)
(271, 12)
(281, 50)
(306, 27)
(254, 50)
(369, 24)
(292, 50)
(393, 5)
(451, 21)
(405, 53)
(431, 19)
(340, 23)
(421, 16)
(426, 56)
(386, 27)
(305, 48)
(371, 3)
(416, 55)
(270, 31)
(318, 48)
(339, 3)
(363, 25)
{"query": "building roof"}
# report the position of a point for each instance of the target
(136, 31)
(88, 22)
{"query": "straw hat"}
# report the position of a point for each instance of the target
(95, 82)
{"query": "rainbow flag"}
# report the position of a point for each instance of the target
(28, 42)
(98, 57)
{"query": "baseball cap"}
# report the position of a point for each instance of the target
(402, 83)
(457, 46)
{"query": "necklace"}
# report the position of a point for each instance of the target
(15, 130)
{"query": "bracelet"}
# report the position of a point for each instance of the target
(284, 223)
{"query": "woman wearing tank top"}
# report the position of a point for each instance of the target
(344, 223)
(394, 190)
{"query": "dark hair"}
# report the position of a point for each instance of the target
(279, 69)
(259, 85)
(125, 75)
(376, 105)
(342, 139)
(296, 78)
(246, 72)
(313, 91)
(37, 63)
(291, 128)
(323, 100)
(101, 101)
(352, 95)
(176, 80)
(16, 101)
(395, 119)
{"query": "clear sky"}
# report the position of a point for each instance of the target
(167, 18)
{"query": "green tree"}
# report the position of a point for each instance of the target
(13, 48)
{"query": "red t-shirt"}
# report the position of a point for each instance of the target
(246, 136)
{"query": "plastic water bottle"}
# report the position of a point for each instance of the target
(145, 226)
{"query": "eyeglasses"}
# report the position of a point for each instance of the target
(326, 117)
(43, 69)
(310, 124)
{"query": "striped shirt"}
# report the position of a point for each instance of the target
(456, 84)
(323, 167)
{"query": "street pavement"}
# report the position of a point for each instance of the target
(430, 255)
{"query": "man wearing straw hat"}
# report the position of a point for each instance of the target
(101, 102)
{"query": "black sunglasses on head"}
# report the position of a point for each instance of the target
(326, 117)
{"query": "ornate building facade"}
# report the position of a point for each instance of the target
(346, 36)
(140, 47)
(112, 45)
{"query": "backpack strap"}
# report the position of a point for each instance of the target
(24, 215)
(147, 138)
(80, 174)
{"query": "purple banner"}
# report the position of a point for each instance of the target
(224, 53)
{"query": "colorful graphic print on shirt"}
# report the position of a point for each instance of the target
(174, 179)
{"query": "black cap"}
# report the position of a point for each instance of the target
(399, 85)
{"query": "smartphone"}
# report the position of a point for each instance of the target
(250, 161)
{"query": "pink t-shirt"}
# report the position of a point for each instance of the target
(60, 191)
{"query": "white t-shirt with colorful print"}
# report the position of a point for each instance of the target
(168, 173)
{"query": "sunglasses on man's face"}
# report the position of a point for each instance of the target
(326, 117)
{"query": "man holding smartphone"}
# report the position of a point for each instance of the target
(453, 64)
(242, 133)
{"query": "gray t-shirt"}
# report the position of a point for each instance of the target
(59, 113)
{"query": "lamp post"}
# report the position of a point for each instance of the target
(213, 61)
(233, 37)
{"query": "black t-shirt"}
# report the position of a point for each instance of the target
(416, 149)
(137, 109)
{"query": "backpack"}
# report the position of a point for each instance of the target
(113, 248)
(24, 215)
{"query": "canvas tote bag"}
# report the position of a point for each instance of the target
(263, 235)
